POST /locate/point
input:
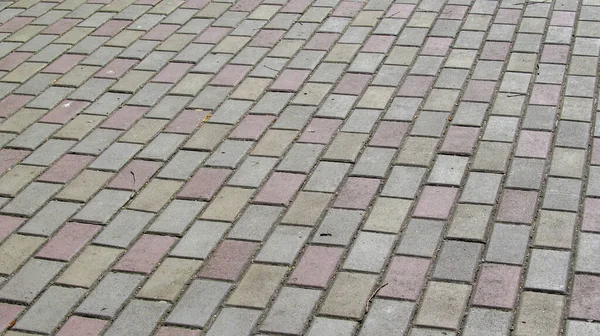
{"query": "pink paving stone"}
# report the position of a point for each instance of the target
(61, 26)
(357, 193)
(435, 202)
(143, 171)
(400, 11)
(560, 18)
(267, 38)
(495, 51)
(320, 130)
(8, 313)
(280, 188)
(405, 278)
(143, 256)
(596, 152)
(535, 144)
(231, 75)
(161, 32)
(317, 266)
(195, 4)
(585, 302)
(479, 91)
(186, 122)
(13, 60)
(205, 183)
(172, 73)
(296, 6)
(437, 46)
(212, 35)
(498, 286)
(111, 28)
(416, 86)
(12, 104)
(124, 118)
(10, 157)
(8, 224)
(116, 68)
(552, 53)
(64, 111)
(82, 326)
(591, 215)
(15, 24)
(245, 5)
(71, 238)
(510, 16)
(517, 206)
(229, 260)
(352, 84)
(252, 127)
(63, 64)
(460, 140)
(389, 134)
(454, 12)
(290, 80)
(174, 331)
(321, 41)
(66, 168)
(378, 43)
(545, 94)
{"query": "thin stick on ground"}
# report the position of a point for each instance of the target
(372, 296)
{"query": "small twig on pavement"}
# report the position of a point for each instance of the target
(372, 296)
(133, 191)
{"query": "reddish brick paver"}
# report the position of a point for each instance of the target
(275, 167)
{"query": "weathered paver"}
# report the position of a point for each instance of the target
(299, 167)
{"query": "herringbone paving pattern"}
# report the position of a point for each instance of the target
(299, 167)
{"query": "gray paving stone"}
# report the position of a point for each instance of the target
(338, 227)
(337, 106)
(448, 170)
(30, 280)
(294, 117)
(526, 173)
(369, 252)
(387, 317)
(593, 185)
(272, 103)
(403, 182)
(229, 153)
(572, 134)
(291, 310)
(49, 152)
(34, 136)
(115, 156)
(139, 317)
(492, 156)
(582, 328)
(103, 206)
(188, 312)
(50, 309)
(232, 320)
(508, 244)
(374, 162)
(284, 244)
(548, 270)
(403, 109)
(230, 112)
(501, 129)
(96, 142)
(361, 121)
(470, 221)
(327, 177)
(30, 199)
(182, 165)
(429, 124)
(323, 326)
(50, 218)
(421, 238)
(587, 256)
(37, 84)
(300, 158)
(150, 94)
(562, 194)
(252, 171)
(177, 216)
(487, 322)
(124, 228)
(162, 147)
(255, 222)
(92, 89)
(200, 239)
(107, 103)
(458, 261)
(110, 294)
(481, 188)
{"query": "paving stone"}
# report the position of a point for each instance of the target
(252, 171)
(30, 281)
(508, 244)
(50, 218)
(227, 204)
(169, 279)
(339, 301)
(388, 215)
(139, 317)
(283, 245)
(387, 316)
(256, 222)
(289, 315)
(488, 321)
(586, 258)
(32, 198)
(458, 261)
(155, 195)
(110, 294)
(369, 252)
(443, 305)
(338, 227)
(492, 156)
(143, 256)
(540, 313)
(17, 178)
(421, 238)
(50, 309)
(115, 156)
(330, 327)
(581, 328)
(103, 206)
(526, 173)
(258, 286)
(448, 170)
(300, 158)
(225, 263)
(142, 170)
(306, 208)
(200, 239)
(236, 320)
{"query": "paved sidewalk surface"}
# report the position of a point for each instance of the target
(299, 167)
